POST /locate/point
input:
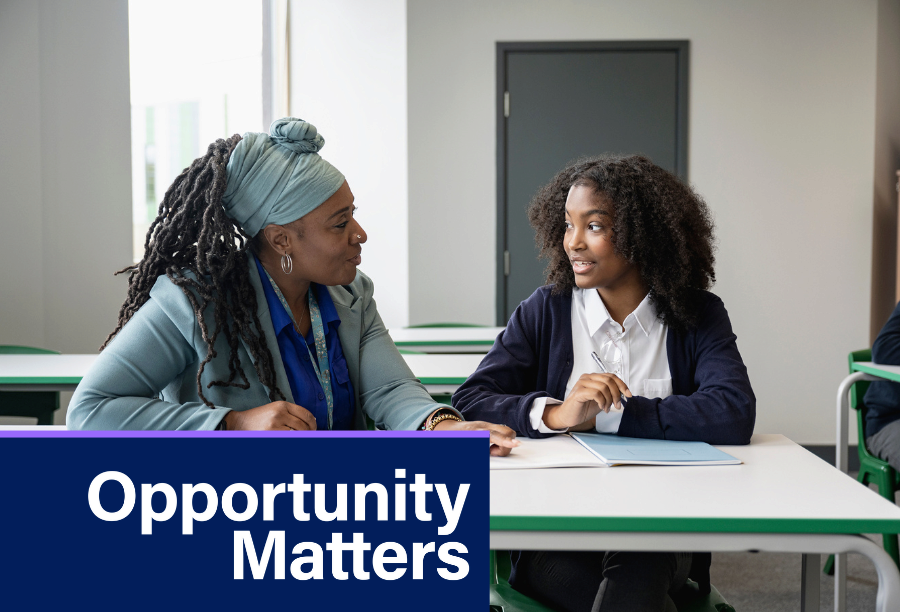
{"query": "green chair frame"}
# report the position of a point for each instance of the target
(872, 470)
(425, 325)
(504, 598)
(35, 404)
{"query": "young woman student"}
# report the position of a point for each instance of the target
(248, 311)
(624, 339)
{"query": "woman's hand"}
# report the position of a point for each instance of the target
(277, 415)
(591, 394)
(503, 439)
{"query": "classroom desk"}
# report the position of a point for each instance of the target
(443, 373)
(446, 339)
(782, 499)
(43, 372)
(861, 370)
(439, 373)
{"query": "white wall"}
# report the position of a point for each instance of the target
(782, 134)
(65, 171)
(348, 78)
(21, 232)
(782, 119)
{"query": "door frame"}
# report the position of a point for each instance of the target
(682, 50)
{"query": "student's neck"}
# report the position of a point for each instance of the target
(293, 288)
(622, 301)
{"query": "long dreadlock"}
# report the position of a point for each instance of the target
(199, 248)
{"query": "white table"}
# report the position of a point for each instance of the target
(43, 372)
(861, 370)
(446, 339)
(782, 499)
(439, 373)
(443, 373)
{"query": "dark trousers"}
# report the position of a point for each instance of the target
(886, 444)
(576, 581)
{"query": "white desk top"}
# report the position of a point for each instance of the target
(411, 337)
(780, 488)
(890, 372)
(37, 369)
(443, 369)
(69, 369)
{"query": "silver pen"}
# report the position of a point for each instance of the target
(599, 363)
(603, 370)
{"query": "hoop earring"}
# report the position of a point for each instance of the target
(287, 264)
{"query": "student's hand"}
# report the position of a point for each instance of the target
(503, 439)
(277, 415)
(591, 394)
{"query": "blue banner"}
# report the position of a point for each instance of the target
(244, 521)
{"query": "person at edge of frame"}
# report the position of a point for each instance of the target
(882, 399)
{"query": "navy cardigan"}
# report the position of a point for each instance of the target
(883, 397)
(712, 400)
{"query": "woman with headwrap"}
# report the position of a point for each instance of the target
(247, 310)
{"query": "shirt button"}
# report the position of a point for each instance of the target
(321, 396)
(305, 357)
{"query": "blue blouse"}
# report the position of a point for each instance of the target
(305, 386)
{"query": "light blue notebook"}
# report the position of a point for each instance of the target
(616, 450)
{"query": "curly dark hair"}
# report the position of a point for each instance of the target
(192, 234)
(660, 224)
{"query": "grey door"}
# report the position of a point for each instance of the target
(561, 101)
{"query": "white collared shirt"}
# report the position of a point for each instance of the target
(642, 342)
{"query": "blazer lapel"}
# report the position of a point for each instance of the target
(265, 321)
(349, 309)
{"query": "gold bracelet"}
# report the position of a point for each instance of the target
(442, 417)
(425, 425)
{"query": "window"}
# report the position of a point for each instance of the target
(196, 75)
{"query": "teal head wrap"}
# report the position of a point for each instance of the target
(278, 177)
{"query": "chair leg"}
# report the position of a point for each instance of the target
(493, 567)
(891, 547)
(884, 479)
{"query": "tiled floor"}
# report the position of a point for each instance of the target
(770, 582)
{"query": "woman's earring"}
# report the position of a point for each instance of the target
(287, 264)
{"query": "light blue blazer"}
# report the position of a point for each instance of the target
(146, 378)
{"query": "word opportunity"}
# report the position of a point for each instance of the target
(350, 553)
